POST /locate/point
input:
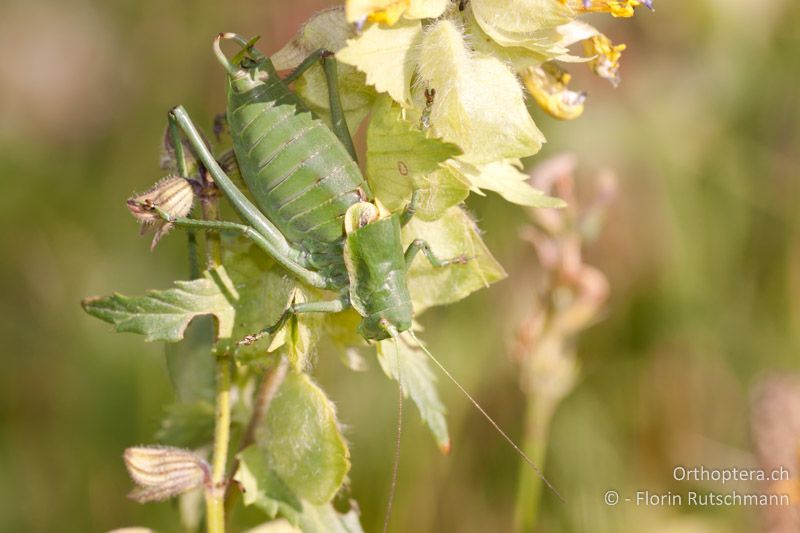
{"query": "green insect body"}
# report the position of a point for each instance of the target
(299, 173)
(313, 209)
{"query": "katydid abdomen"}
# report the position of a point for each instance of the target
(299, 173)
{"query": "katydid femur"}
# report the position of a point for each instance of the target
(313, 212)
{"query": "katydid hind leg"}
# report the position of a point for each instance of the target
(272, 240)
(329, 65)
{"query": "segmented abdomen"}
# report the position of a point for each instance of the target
(300, 175)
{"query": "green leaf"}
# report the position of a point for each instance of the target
(479, 104)
(453, 235)
(264, 293)
(418, 382)
(301, 441)
(164, 315)
(190, 367)
(387, 56)
(400, 156)
(263, 488)
(505, 179)
(326, 519)
(187, 425)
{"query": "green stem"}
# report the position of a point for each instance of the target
(215, 494)
(538, 415)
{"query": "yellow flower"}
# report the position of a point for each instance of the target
(617, 8)
(606, 61)
(390, 11)
(386, 11)
(548, 86)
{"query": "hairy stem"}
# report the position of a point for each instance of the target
(215, 494)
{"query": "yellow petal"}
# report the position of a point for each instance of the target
(386, 11)
(548, 86)
(607, 55)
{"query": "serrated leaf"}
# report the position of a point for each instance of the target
(301, 441)
(418, 382)
(504, 178)
(452, 235)
(400, 155)
(164, 315)
(387, 56)
(479, 103)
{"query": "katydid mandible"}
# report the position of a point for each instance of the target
(313, 212)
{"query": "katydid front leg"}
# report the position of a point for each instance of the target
(269, 237)
(331, 306)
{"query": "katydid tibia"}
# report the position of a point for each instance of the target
(313, 211)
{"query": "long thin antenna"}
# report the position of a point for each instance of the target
(489, 418)
(396, 464)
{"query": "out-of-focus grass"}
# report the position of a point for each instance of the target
(701, 250)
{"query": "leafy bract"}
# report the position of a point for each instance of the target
(387, 56)
(417, 381)
(513, 23)
(399, 155)
(452, 235)
(504, 178)
(479, 103)
(164, 315)
(327, 30)
(301, 442)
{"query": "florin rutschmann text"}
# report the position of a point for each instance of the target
(775, 495)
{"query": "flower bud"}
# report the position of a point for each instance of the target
(173, 195)
(163, 472)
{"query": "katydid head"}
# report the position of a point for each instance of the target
(376, 267)
(249, 67)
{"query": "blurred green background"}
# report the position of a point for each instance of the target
(701, 249)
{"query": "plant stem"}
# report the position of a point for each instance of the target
(215, 494)
(538, 413)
